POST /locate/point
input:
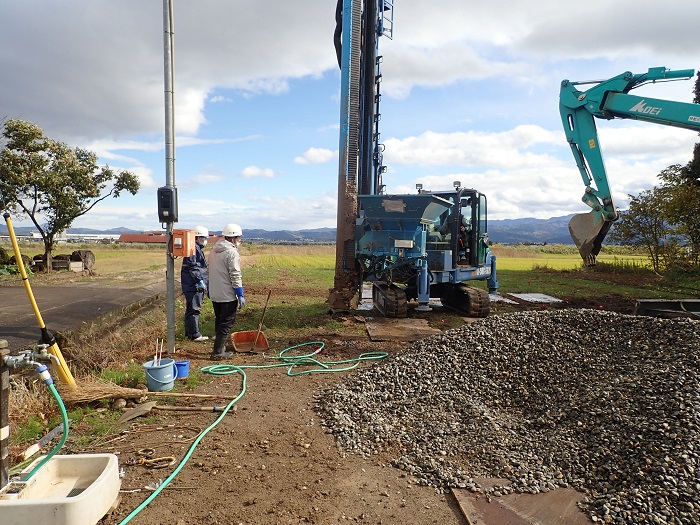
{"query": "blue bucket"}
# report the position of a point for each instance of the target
(161, 376)
(183, 369)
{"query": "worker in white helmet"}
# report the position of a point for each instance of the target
(194, 279)
(225, 286)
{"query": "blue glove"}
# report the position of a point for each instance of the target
(201, 286)
(239, 294)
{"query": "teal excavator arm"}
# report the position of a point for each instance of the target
(609, 99)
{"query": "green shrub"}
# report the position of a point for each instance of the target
(13, 269)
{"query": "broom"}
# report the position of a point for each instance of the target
(88, 392)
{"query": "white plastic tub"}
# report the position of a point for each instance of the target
(74, 489)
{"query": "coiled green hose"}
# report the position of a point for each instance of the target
(294, 361)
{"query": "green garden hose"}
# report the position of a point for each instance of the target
(294, 361)
(46, 377)
(194, 444)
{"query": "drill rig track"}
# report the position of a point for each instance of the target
(389, 299)
(468, 300)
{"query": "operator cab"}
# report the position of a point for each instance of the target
(462, 229)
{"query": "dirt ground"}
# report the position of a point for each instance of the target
(269, 460)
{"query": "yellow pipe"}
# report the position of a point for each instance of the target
(61, 368)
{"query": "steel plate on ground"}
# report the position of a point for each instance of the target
(556, 507)
(498, 298)
(668, 308)
(535, 297)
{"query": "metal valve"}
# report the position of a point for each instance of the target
(28, 357)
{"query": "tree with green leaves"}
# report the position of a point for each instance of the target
(644, 225)
(52, 183)
(681, 204)
(681, 190)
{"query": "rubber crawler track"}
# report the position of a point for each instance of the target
(389, 300)
(468, 300)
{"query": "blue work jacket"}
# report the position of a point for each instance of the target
(194, 269)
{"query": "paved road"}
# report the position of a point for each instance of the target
(64, 307)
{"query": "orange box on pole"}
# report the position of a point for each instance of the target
(183, 243)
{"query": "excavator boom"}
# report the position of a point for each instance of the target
(607, 100)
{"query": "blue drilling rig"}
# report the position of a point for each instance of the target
(409, 246)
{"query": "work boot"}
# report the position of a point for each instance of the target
(221, 355)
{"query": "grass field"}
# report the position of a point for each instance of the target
(302, 275)
(115, 259)
(557, 257)
(313, 266)
(563, 262)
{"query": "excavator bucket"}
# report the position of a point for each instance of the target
(588, 231)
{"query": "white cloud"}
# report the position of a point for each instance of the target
(410, 67)
(250, 172)
(105, 148)
(311, 211)
(316, 156)
(218, 99)
(202, 179)
(185, 141)
(145, 176)
(521, 181)
(471, 148)
(647, 140)
(117, 48)
(189, 115)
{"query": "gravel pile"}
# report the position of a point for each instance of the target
(604, 402)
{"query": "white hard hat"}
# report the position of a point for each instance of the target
(201, 231)
(232, 230)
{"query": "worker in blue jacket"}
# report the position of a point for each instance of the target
(194, 279)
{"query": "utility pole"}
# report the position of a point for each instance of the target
(167, 195)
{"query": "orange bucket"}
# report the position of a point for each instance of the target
(246, 341)
(252, 340)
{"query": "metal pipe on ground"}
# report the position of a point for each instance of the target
(147, 408)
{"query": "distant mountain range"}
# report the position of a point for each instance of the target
(506, 231)
(554, 230)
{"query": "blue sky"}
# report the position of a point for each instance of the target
(470, 93)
